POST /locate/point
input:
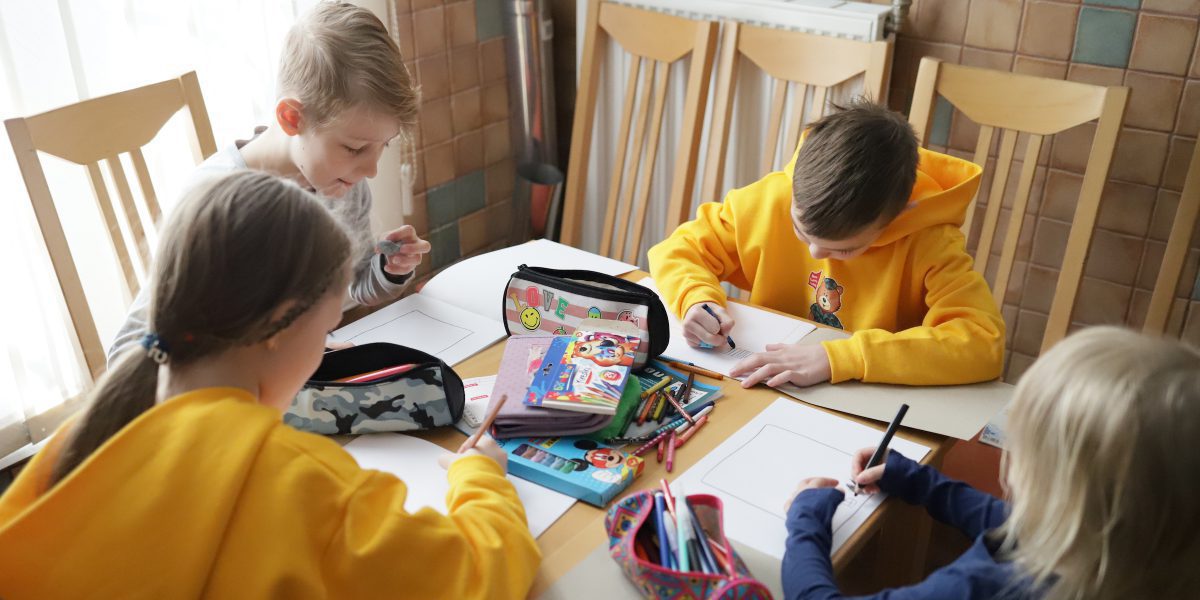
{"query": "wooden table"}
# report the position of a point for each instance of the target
(903, 529)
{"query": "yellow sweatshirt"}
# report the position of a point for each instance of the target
(919, 312)
(210, 495)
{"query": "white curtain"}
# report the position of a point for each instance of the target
(54, 53)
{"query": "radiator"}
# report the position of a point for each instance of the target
(852, 20)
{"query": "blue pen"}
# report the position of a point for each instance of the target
(728, 339)
(664, 549)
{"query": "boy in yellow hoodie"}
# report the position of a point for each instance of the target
(860, 232)
(180, 480)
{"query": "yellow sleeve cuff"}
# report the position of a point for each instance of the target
(701, 294)
(845, 360)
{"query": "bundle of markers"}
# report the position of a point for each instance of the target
(676, 540)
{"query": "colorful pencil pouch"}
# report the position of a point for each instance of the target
(397, 389)
(542, 300)
(632, 539)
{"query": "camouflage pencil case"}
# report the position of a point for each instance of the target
(428, 394)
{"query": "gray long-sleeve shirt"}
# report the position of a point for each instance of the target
(369, 285)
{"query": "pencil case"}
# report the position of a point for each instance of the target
(424, 394)
(543, 300)
(629, 524)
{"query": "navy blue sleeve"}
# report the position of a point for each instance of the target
(807, 568)
(947, 500)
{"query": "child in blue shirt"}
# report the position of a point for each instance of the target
(1100, 475)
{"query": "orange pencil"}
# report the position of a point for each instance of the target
(487, 424)
(671, 451)
(696, 370)
(649, 403)
(687, 435)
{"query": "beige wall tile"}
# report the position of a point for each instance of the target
(1189, 110)
(1140, 156)
(436, 125)
(987, 59)
(1153, 100)
(1114, 257)
(491, 60)
(1164, 214)
(439, 163)
(1188, 8)
(1095, 75)
(1039, 288)
(468, 152)
(500, 220)
(496, 146)
(473, 232)
(1052, 69)
(499, 181)
(1048, 29)
(1031, 326)
(405, 37)
(1017, 365)
(1071, 148)
(1178, 161)
(464, 68)
(1162, 44)
(495, 102)
(939, 20)
(1101, 302)
(433, 73)
(1049, 243)
(465, 108)
(460, 20)
(1191, 330)
(1061, 195)
(429, 31)
(1126, 208)
(993, 24)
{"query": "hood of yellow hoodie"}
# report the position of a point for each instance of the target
(148, 510)
(943, 188)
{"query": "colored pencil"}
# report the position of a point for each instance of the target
(661, 446)
(487, 424)
(687, 435)
(379, 374)
(644, 447)
(679, 407)
(671, 451)
(658, 386)
(690, 368)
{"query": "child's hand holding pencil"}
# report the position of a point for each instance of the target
(477, 443)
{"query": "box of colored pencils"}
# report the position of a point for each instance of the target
(576, 466)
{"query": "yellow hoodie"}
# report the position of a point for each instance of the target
(919, 312)
(209, 494)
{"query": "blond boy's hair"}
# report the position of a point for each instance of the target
(1102, 467)
(338, 56)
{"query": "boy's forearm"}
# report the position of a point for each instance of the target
(958, 352)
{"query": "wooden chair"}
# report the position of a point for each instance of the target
(655, 41)
(86, 133)
(1176, 252)
(1039, 107)
(793, 60)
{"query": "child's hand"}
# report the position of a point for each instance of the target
(485, 446)
(701, 329)
(812, 483)
(412, 250)
(868, 480)
(800, 364)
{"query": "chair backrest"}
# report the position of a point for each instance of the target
(1038, 107)
(794, 61)
(87, 133)
(655, 41)
(1177, 247)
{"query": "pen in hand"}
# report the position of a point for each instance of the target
(880, 451)
(728, 339)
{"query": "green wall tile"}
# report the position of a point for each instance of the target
(940, 132)
(445, 246)
(1104, 37)
(1133, 4)
(471, 194)
(440, 204)
(489, 19)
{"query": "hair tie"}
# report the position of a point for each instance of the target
(156, 348)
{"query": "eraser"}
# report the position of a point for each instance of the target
(388, 247)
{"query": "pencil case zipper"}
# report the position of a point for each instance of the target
(579, 287)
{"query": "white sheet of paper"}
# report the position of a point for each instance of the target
(478, 391)
(477, 284)
(755, 328)
(414, 461)
(756, 469)
(429, 325)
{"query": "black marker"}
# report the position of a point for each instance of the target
(877, 457)
(714, 315)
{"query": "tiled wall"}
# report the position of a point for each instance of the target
(455, 49)
(1148, 45)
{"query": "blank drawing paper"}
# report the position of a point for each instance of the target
(756, 470)
(445, 331)
(753, 330)
(414, 461)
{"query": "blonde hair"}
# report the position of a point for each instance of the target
(339, 56)
(1102, 467)
(234, 251)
